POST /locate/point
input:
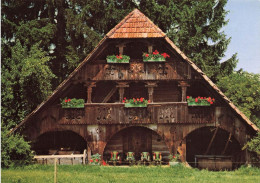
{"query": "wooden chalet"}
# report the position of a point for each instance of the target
(168, 124)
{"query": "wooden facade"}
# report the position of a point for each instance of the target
(167, 124)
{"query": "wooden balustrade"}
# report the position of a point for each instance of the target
(156, 113)
(138, 70)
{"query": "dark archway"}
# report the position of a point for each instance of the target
(222, 143)
(59, 142)
(136, 139)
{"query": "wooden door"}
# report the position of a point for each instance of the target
(138, 140)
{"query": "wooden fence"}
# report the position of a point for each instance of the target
(72, 159)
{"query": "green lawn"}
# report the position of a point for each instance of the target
(80, 173)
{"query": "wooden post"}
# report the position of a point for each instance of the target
(121, 48)
(84, 156)
(89, 91)
(89, 154)
(183, 147)
(121, 88)
(150, 48)
(150, 86)
(211, 141)
(55, 170)
(183, 86)
(223, 152)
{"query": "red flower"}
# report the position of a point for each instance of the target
(149, 101)
(137, 99)
(91, 160)
(123, 101)
(141, 99)
(196, 99)
(147, 55)
(211, 102)
(124, 98)
(96, 160)
(165, 55)
(66, 100)
(188, 97)
(155, 52)
(69, 100)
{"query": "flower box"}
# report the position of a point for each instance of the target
(200, 101)
(76, 106)
(136, 102)
(160, 59)
(124, 59)
(155, 57)
(72, 103)
(198, 104)
(135, 105)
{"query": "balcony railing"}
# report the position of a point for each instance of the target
(154, 113)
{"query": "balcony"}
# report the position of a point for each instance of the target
(154, 113)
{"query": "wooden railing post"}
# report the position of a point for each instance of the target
(55, 170)
(84, 156)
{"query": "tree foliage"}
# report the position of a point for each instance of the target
(243, 89)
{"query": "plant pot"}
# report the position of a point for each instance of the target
(198, 104)
(135, 105)
(173, 163)
(73, 107)
(121, 61)
(160, 59)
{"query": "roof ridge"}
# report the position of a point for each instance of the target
(140, 26)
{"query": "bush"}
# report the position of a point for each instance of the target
(15, 150)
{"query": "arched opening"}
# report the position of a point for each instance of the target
(137, 140)
(59, 142)
(211, 144)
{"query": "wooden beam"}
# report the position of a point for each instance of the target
(109, 95)
(223, 152)
(211, 141)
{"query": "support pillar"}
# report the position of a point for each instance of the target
(150, 86)
(121, 88)
(183, 85)
(89, 91)
(121, 48)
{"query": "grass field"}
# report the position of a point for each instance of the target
(80, 173)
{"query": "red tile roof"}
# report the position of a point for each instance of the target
(136, 25)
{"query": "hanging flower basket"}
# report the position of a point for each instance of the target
(155, 57)
(135, 102)
(200, 101)
(72, 103)
(118, 59)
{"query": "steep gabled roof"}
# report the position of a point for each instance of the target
(137, 25)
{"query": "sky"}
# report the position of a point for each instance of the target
(244, 29)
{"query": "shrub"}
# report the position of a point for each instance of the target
(15, 150)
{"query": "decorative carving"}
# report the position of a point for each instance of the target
(136, 70)
(110, 71)
(104, 114)
(162, 70)
(137, 115)
(200, 115)
(74, 115)
(167, 115)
